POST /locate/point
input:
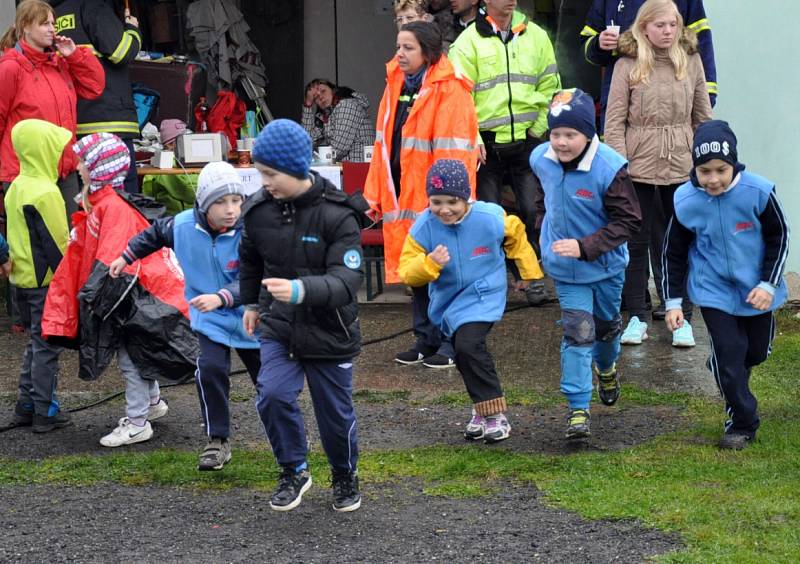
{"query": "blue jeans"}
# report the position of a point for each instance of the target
(592, 324)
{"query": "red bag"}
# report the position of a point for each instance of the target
(227, 116)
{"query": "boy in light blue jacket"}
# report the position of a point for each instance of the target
(206, 242)
(730, 235)
(459, 249)
(587, 210)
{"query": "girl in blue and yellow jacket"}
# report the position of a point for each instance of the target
(730, 234)
(459, 249)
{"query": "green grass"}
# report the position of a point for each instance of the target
(726, 506)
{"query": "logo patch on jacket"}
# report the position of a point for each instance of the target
(352, 259)
(309, 239)
(232, 264)
(584, 194)
(478, 252)
(743, 226)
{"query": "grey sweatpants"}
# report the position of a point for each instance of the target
(39, 375)
(139, 393)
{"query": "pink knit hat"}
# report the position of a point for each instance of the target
(106, 157)
(170, 129)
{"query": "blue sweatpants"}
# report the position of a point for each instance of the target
(280, 382)
(214, 384)
(592, 324)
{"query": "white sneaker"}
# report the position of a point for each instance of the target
(634, 333)
(683, 337)
(127, 433)
(158, 410)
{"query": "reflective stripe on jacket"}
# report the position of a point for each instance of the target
(440, 125)
(514, 79)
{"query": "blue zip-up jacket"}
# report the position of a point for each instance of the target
(3, 250)
(591, 200)
(472, 286)
(210, 263)
(730, 243)
(623, 13)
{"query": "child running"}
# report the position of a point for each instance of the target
(460, 250)
(301, 268)
(730, 235)
(206, 242)
(587, 212)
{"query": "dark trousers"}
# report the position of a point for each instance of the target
(131, 180)
(39, 375)
(475, 362)
(637, 273)
(214, 384)
(429, 339)
(330, 382)
(70, 187)
(738, 343)
(511, 160)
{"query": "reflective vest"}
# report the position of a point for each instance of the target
(440, 125)
(514, 79)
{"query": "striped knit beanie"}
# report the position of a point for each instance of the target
(285, 146)
(106, 157)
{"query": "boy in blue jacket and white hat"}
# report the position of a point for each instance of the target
(206, 242)
(459, 249)
(730, 235)
(587, 210)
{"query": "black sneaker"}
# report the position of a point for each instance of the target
(291, 487)
(346, 495)
(578, 424)
(608, 385)
(438, 361)
(735, 441)
(660, 312)
(536, 294)
(409, 357)
(44, 424)
(23, 417)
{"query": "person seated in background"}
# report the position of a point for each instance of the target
(169, 130)
(337, 116)
(406, 11)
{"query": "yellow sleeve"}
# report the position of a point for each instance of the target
(518, 249)
(415, 268)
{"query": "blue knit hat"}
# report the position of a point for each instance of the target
(714, 140)
(572, 108)
(285, 146)
(448, 177)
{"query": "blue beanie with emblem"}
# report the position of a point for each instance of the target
(714, 140)
(284, 146)
(448, 177)
(572, 108)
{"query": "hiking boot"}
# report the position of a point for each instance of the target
(578, 424)
(735, 441)
(634, 333)
(22, 416)
(158, 410)
(216, 455)
(44, 424)
(608, 385)
(346, 495)
(438, 361)
(476, 428)
(409, 357)
(496, 429)
(683, 337)
(291, 487)
(536, 294)
(126, 433)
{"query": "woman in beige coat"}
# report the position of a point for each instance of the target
(658, 97)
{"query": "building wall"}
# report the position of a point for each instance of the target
(7, 12)
(758, 93)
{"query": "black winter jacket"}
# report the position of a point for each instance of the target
(315, 238)
(93, 23)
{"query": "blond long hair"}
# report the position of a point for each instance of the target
(650, 11)
(29, 12)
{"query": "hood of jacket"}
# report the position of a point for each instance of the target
(39, 145)
(628, 45)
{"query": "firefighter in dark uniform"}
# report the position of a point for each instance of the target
(94, 23)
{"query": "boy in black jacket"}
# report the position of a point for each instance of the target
(300, 271)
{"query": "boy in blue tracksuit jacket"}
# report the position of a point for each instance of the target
(587, 210)
(729, 232)
(206, 242)
(459, 249)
